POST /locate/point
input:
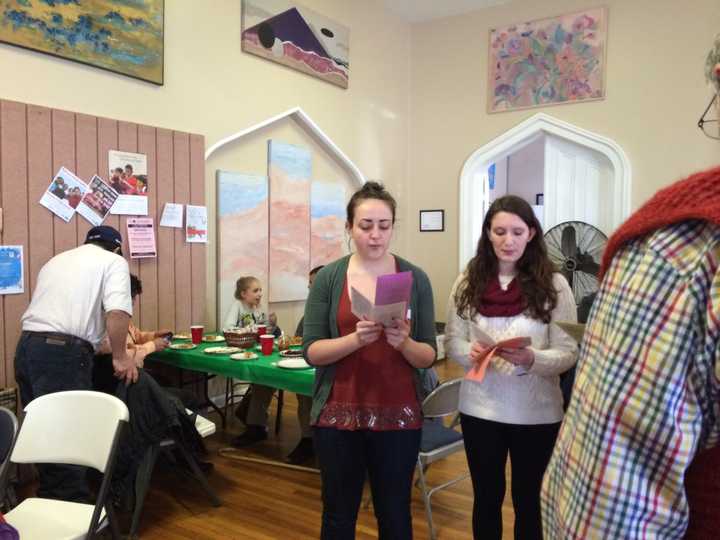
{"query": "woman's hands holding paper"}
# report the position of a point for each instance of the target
(367, 332)
(398, 334)
(520, 357)
(478, 351)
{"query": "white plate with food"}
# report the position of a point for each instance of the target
(213, 339)
(291, 353)
(181, 336)
(222, 350)
(293, 363)
(247, 355)
(182, 346)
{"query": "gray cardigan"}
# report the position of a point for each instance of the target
(320, 321)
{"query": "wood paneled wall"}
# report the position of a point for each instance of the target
(34, 143)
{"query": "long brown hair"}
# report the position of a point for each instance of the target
(535, 269)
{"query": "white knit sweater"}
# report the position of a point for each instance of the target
(508, 393)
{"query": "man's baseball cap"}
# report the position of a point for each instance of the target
(104, 233)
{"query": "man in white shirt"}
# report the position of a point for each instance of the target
(80, 295)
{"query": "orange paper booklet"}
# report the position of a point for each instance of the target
(477, 372)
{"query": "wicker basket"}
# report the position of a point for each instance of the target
(245, 340)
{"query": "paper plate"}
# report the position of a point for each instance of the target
(291, 353)
(182, 336)
(213, 339)
(182, 346)
(244, 356)
(222, 350)
(293, 363)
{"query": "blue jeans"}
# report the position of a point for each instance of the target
(389, 457)
(43, 365)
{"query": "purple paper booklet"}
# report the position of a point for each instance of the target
(392, 296)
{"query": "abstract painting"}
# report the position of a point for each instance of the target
(297, 37)
(289, 170)
(124, 36)
(242, 210)
(327, 222)
(548, 61)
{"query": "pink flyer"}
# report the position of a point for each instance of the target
(141, 238)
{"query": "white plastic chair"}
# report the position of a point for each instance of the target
(77, 427)
(438, 441)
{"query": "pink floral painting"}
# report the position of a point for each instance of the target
(289, 169)
(327, 222)
(242, 209)
(548, 61)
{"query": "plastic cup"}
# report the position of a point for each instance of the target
(261, 330)
(266, 343)
(196, 332)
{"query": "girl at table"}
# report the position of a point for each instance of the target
(366, 404)
(245, 309)
(510, 288)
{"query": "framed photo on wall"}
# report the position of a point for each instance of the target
(539, 199)
(432, 220)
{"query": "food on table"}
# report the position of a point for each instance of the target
(181, 335)
(244, 356)
(182, 346)
(212, 339)
(292, 353)
(221, 350)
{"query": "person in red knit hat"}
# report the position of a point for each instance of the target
(637, 455)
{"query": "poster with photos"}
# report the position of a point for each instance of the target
(64, 194)
(97, 202)
(128, 176)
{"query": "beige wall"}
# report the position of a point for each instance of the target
(655, 94)
(415, 109)
(214, 89)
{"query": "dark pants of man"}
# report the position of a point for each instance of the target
(45, 364)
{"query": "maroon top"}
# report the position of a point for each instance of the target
(374, 386)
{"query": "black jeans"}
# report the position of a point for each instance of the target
(43, 365)
(487, 445)
(389, 457)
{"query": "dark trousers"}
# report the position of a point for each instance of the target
(487, 445)
(389, 457)
(44, 365)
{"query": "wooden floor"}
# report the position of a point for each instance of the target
(267, 502)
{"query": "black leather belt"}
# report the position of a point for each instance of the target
(56, 338)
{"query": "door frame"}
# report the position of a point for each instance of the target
(470, 223)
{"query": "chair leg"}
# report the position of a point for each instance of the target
(142, 482)
(112, 519)
(278, 417)
(199, 475)
(426, 498)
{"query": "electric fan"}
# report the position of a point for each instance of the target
(576, 248)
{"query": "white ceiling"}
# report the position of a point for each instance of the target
(424, 10)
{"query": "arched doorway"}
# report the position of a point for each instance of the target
(474, 189)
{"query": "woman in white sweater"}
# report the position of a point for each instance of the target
(510, 289)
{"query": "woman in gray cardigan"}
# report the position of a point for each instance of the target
(366, 405)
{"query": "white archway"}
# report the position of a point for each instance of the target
(306, 122)
(470, 220)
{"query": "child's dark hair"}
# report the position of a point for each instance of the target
(370, 190)
(135, 286)
(242, 284)
(316, 270)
